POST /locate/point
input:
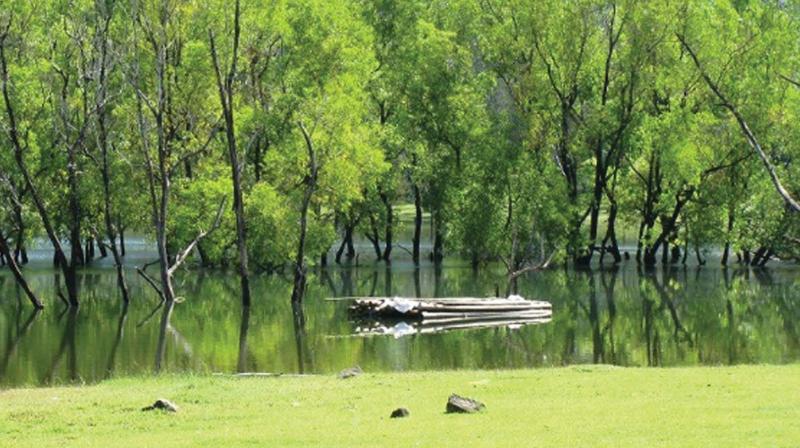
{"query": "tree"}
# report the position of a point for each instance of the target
(18, 134)
(226, 92)
(160, 29)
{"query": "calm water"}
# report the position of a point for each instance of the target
(665, 318)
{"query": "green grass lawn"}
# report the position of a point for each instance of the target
(576, 406)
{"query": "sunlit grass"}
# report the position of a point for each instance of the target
(577, 406)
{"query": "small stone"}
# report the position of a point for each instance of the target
(351, 372)
(463, 405)
(400, 413)
(163, 405)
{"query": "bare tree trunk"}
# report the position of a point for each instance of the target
(20, 253)
(417, 223)
(388, 235)
(727, 250)
(121, 230)
(438, 238)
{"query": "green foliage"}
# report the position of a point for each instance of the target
(528, 128)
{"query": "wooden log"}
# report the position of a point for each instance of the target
(430, 316)
(464, 308)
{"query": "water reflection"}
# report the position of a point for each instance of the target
(661, 317)
(13, 338)
(66, 347)
(162, 334)
(241, 363)
(112, 356)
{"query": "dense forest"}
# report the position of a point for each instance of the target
(267, 134)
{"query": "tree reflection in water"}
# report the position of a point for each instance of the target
(662, 317)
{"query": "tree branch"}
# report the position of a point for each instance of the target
(751, 138)
(181, 257)
(538, 267)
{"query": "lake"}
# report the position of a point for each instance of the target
(668, 317)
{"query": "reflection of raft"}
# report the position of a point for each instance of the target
(399, 316)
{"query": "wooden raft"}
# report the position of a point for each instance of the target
(462, 307)
(400, 316)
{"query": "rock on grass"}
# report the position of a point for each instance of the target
(400, 413)
(463, 405)
(163, 405)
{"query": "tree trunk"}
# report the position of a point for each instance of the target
(101, 247)
(417, 223)
(375, 239)
(727, 250)
(438, 240)
(5, 252)
(20, 253)
(611, 236)
(388, 235)
(122, 247)
(299, 284)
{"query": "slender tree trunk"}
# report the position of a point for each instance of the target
(438, 238)
(388, 235)
(375, 239)
(323, 259)
(417, 223)
(122, 247)
(101, 247)
(348, 240)
(340, 251)
(20, 253)
(299, 284)
(727, 250)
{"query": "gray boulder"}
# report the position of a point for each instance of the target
(463, 405)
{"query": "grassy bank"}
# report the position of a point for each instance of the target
(577, 406)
